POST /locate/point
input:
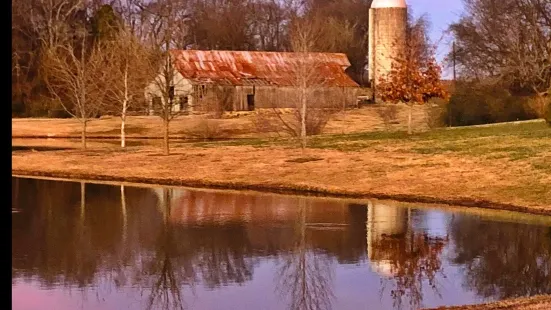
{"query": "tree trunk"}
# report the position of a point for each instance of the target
(410, 129)
(83, 135)
(123, 133)
(303, 118)
(166, 138)
(124, 107)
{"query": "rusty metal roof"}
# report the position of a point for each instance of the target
(244, 68)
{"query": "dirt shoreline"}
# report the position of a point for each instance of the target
(282, 188)
(539, 302)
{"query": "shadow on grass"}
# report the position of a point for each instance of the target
(130, 129)
(15, 148)
(301, 160)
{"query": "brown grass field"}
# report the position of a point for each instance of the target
(505, 166)
(234, 125)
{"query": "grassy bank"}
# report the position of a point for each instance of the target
(504, 166)
(542, 302)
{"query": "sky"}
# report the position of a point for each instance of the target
(441, 13)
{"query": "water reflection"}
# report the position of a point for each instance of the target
(166, 275)
(179, 249)
(305, 274)
(407, 257)
(505, 261)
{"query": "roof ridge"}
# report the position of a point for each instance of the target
(232, 67)
(264, 52)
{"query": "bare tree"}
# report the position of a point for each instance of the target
(268, 24)
(308, 79)
(39, 25)
(53, 19)
(303, 42)
(507, 43)
(235, 15)
(76, 79)
(165, 84)
(346, 26)
(314, 95)
(133, 17)
(166, 20)
(130, 69)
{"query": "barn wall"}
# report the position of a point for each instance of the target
(182, 88)
(213, 98)
(289, 97)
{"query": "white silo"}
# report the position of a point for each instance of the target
(387, 35)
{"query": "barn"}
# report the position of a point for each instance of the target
(245, 80)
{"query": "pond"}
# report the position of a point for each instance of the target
(92, 246)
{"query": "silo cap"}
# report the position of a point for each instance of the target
(378, 4)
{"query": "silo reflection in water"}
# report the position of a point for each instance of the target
(384, 222)
(124, 247)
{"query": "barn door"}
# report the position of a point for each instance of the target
(250, 102)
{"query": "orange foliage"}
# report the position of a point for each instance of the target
(414, 76)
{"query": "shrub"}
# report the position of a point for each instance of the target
(436, 113)
(265, 121)
(475, 104)
(548, 114)
(17, 108)
(288, 121)
(58, 113)
(388, 113)
(316, 120)
(538, 104)
(206, 129)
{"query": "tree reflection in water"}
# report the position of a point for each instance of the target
(187, 253)
(417, 259)
(305, 276)
(221, 252)
(56, 241)
(404, 257)
(165, 243)
(166, 290)
(104, 237)
(503, 260)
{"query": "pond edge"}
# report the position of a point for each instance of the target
(288, 189)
